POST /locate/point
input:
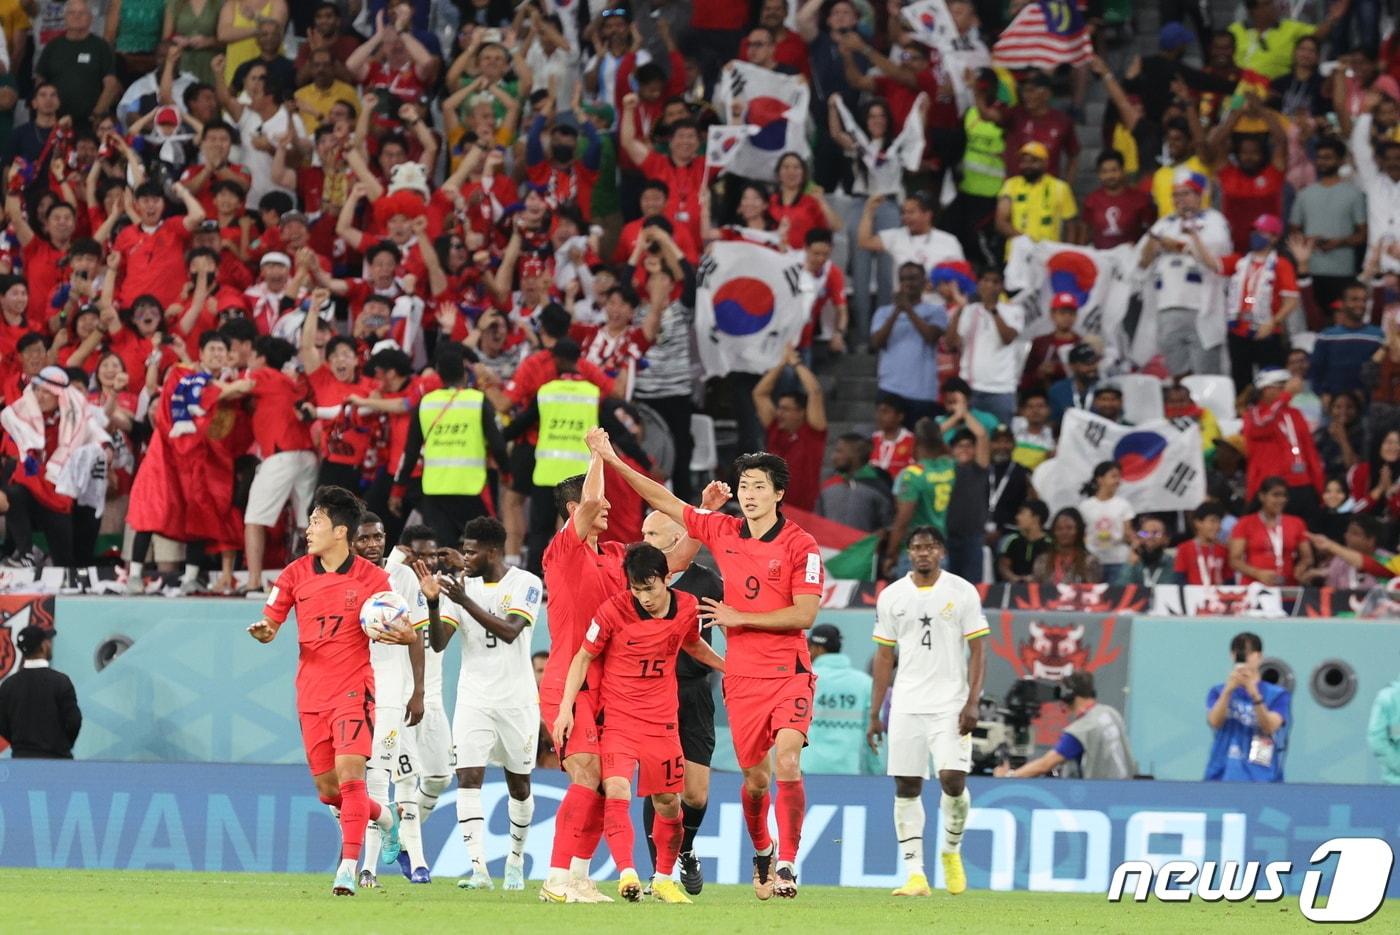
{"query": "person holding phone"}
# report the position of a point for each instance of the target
(1250, 718)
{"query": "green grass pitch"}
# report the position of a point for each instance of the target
(72, 901)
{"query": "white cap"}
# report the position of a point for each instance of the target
(1270, 378)
(388, 344)
(275, 257)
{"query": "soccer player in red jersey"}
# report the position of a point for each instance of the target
(335, 684)
(773, 580)
(636, 634)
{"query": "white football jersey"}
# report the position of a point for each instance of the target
(496, 674)
(930, 626)
(432, 662)
(393, 673)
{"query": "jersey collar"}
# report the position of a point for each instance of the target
(642, 612)
(768, 536)
(344, 569)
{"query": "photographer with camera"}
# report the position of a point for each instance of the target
(1250, 718)
(1095, 741)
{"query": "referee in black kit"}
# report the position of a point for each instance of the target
(39, 714)
(697, 701)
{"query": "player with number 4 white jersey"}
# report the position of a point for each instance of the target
(933, 619)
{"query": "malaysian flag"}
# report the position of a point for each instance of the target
(1045, 34)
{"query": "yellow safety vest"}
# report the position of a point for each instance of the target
(568, 409)
(454, 445)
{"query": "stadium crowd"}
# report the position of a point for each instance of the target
(417, 248)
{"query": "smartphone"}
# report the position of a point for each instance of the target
(1239, 656)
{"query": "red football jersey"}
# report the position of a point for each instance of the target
(638, 657)
(577, 581)
(761, 575)
(334, 661)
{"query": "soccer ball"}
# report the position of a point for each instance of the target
(381, 612)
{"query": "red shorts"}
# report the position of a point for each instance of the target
(344, 731)
(632, 748)
(759, 708)
(584, 737)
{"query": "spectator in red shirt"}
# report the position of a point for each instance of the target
(653, 201)
(715, 31)
(1269, 546)
(1262, 293)
(561, 173)
(333, 375)
(281, 420)
(617, 345)
(796, 427)
(14, 315)
(682, 168)
(804, 207)
(1034, 120)
(215, 144)
(1253, 184)
(1116, 212)
(43, 255)
(1280, 445)
(788, 49)
(898, 83)
(153, 250)
(1044, 365)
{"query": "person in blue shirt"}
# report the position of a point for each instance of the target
(905, 335)
(836, 740)
(1250, 718)
(1075, 391)
(1343, 348)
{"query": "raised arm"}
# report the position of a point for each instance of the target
(637, 150)
(655, 494)
(763, 393)
(816, 399)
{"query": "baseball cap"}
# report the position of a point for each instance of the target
(1266, 378)
(566, 122)
(1174, 35)
(1035, 149)
(603, 112)
(1269, 224)
(1083, 354)
(32, 637)
(275, 257)
(1064, 300)
(53, 377)
(1108, 388)
(1184, 177)
(827, 636)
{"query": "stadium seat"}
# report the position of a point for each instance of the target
(704, 457)
(1214, 392)
(1142, 397)
(1304, 340)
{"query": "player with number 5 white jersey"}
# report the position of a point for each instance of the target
(931, 618)
(496, 721)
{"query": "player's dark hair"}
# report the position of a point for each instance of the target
(643, 562)
(450, 363)
(930, 532)
(212, 337)
(928, 437)
(417, 532)
(555, 320)
(486, 530)
(341, 506)
(274, 350)
(569, 490)
(370, 519)
(772, 465)
(566, 353)
(1246, 643)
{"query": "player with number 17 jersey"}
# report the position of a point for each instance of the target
(335, 682)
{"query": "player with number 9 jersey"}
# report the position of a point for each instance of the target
(335, 682)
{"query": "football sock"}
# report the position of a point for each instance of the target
(354, 815)
(471, 822)
(909, 829)
(377, 785)
(410, 828)
(756, 818)
(667, 834)
(589, 831)
(954, 809)
(566, 820)
(692, 817)
(429, 788)
(521, 813)
(792, 808)
(617, 824)
(649, 827)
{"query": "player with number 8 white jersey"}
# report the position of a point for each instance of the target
(394, 748)
(497, 717)
(930, 627)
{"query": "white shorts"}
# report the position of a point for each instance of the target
(913, 738)
(505, 737)
(394, 747)
(285, 474)
(433, 736)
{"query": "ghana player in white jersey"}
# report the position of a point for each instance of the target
(497, 717)
(433, 735)
(398, 689)
(928, 616)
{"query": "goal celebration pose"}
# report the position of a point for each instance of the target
(636, 635)
(773, 581)
(335, 682)
(929, 615)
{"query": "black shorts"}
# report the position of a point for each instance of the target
(697, 720)
(522, 469)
